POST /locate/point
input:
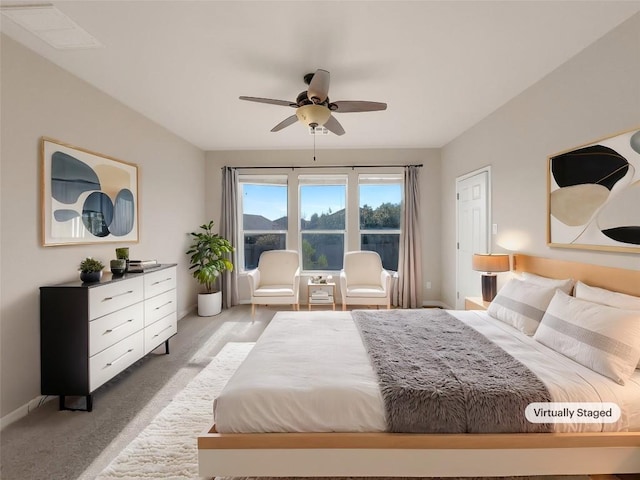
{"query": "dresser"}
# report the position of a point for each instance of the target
(90, 332)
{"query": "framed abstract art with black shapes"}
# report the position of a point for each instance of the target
(87, 197)
(594, 195)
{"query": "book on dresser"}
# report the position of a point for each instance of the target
(90, 332)
(139, 266)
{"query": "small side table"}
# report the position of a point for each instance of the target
(475, 303)
(321, 294)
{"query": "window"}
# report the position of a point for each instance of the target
(331, 212)
(380, 201)
(263, 207)
(322, 221)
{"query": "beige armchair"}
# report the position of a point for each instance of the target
(276, 280)
(363, 281)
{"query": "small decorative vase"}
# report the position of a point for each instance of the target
(91, 277)
(119, 266)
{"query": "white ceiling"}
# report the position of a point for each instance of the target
(440, 65)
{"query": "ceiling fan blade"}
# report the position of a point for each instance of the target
(285, 123)
(334, 126)
(319, 86)
(356, 106)
(271, 101)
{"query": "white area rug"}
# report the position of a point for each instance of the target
(166, 448)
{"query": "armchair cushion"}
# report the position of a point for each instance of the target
(374, 291)
(274, 291)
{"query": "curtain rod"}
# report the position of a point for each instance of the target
(352, 167)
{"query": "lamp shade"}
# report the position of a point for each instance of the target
(491, 262)
(316, 115)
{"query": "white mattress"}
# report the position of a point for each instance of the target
(309, 372)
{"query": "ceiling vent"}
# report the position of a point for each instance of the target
(51, 25)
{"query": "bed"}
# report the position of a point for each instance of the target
(344, 435)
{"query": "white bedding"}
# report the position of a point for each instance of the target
(309, 372)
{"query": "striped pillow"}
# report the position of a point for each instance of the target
(521, 304)
(607, 297)
(566, 284)
(602, 338)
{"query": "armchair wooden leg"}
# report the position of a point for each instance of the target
(253, 309)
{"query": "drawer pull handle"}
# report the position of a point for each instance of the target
(119, 358)
(165, 328)
(160, 281)
(118, 326)
(118, 295)
(164, 304)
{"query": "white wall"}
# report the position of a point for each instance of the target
(595, 94)
(429, 185)
(40, 99)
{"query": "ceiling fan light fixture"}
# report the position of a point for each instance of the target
(313, 114)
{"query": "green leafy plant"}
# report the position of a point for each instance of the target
(89, 265)
(209, 256)
(122, 253)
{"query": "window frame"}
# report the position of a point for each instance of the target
(335, 179)
(381, 179)
(252, 179)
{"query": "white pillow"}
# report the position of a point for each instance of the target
(607, 297)
(602, 338)
(566, 285)
(521, 304)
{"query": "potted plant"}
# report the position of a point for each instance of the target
(91, 270)
(209, 258)
(122, 257)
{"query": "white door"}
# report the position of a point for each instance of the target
(472, 231)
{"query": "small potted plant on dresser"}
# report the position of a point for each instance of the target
(209, 257)
(91, 270)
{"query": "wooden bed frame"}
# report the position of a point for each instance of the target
(430, 455)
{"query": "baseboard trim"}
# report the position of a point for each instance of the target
(434, 303)
(24, 410)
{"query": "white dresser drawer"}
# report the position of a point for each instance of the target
(159, 306)
(110, 329)
(159, 282)
(114, 359)
(160, 331)
(114, 296)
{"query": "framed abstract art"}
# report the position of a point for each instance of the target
(86, 197)
(594, 195)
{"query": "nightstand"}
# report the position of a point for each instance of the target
(475, 303)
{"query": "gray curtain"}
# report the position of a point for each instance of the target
(408, 291)
(229, 230)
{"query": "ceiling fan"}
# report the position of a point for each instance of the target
(313, 107)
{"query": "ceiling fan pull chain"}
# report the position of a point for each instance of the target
(314, 144)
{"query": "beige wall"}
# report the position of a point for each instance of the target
(595, 94)
(40, 99)
(429, 185)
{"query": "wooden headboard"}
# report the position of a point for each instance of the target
(616, 279)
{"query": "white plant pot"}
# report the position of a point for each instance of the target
(209, 304)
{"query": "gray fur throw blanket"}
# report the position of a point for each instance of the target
(439, 375)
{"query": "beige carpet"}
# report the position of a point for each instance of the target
(166, 448)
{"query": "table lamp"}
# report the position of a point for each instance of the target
(490, 263)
